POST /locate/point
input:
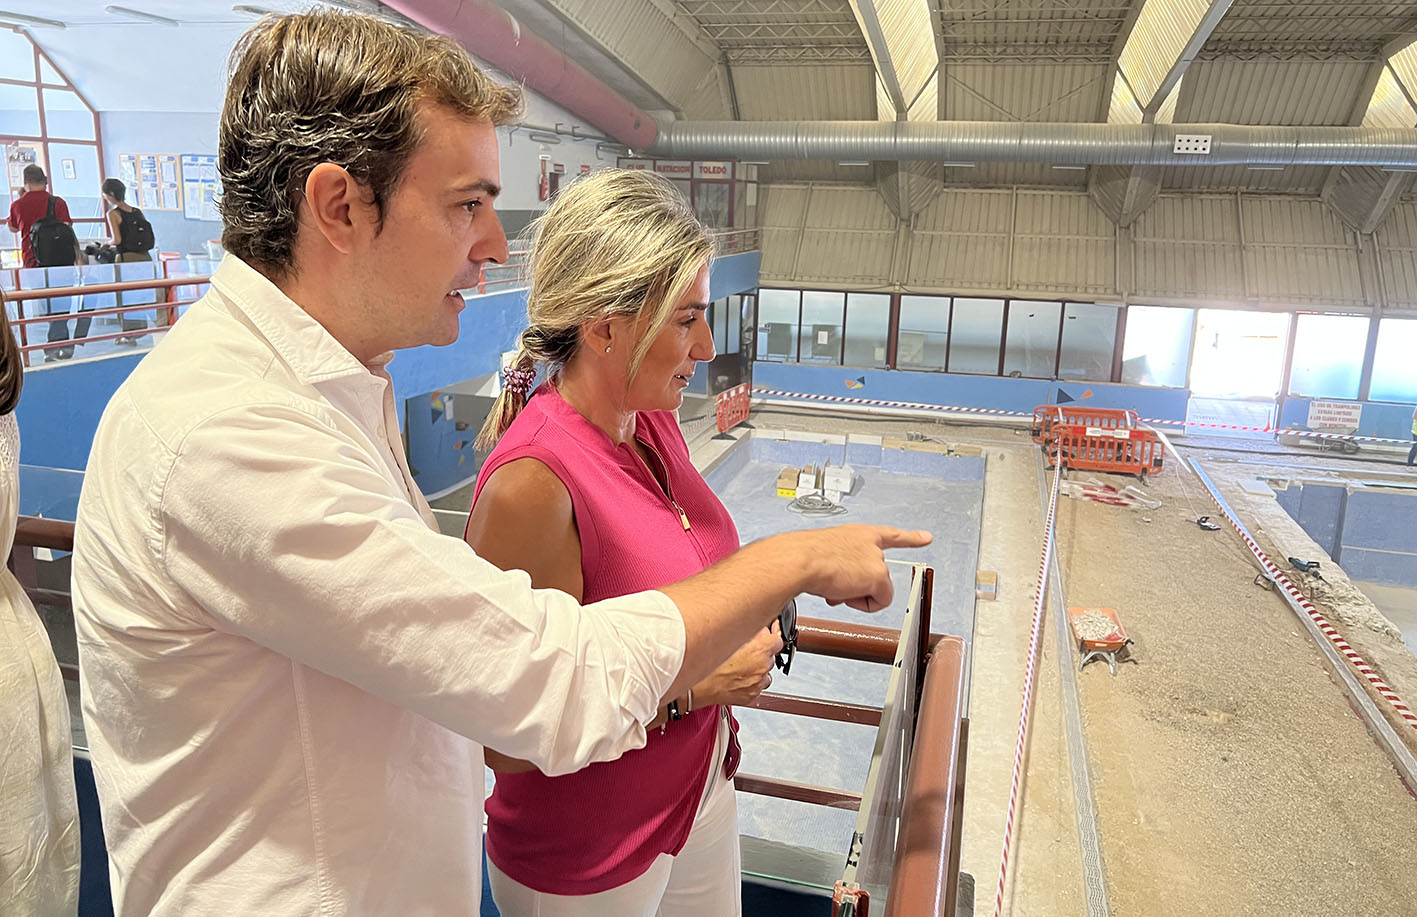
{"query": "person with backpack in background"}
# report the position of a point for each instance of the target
(133, 237)
(47, 239)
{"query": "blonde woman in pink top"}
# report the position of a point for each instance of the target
(591, 491)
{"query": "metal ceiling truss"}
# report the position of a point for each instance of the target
(779, 54)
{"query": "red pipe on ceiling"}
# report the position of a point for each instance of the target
(497, 37)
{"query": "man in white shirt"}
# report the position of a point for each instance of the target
(288, 674)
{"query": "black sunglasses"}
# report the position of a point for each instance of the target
(787, 626)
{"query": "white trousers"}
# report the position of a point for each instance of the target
(704, 880)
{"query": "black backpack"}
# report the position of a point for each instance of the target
(137, 232)
(53, 240)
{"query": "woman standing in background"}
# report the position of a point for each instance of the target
(39, 823)
(132, 236)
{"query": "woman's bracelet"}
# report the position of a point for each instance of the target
(690, 707)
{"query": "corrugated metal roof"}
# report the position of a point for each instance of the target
(1024, 91)
(843, 235)
(766, 30)
(649, 42)
(1057, 243)
(814, 170)
(1188, 246)
(849, 237)
(1298, 251)
(1271, 91)
(1008, 174)
(908, 29)
(1316, 26)
(1063, 243)
(1293, 179)
(1162, 31)
(1398, 256)
(805, 92)
(1076, 30)
(1397, 83)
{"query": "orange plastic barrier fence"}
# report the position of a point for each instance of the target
(732, 407)
(1046, 415)
(1097, 439)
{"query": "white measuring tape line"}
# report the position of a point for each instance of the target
(1033, 642)
(1155, 421)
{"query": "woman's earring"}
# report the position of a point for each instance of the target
(607, 348)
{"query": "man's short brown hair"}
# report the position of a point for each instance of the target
(328, 86)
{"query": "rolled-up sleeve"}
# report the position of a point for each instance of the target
(281, 527)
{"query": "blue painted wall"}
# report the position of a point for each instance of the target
(1380, 418)
(1318, 508)
(60, 407)
(1021, 395)
(1371, 533)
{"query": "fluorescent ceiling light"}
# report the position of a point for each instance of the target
(958, 165)
(1069, 167)
(140, 15)
(249, 9)
(753, 162)
(22, 19)
(1266, 168)
(853, 162)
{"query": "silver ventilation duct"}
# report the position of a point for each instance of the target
(970, 142)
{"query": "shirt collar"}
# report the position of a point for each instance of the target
(312, 353)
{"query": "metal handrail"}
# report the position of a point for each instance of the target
(120, 286)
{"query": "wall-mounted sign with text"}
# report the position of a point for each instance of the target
(713, 171)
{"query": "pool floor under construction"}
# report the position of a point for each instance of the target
(1228, 770)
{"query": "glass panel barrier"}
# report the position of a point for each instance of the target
(821, 327)
(868, 322)
(975, 336)
(1032, 348)
(1394, 369)
(1089, 340)
(924, 332)
(1328, 355)
(1157, 347)
(778, 314)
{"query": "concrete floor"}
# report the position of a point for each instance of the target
(834, 754)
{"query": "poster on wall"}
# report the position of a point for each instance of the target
(128, 172)
(153, 179)
(201, 187)
(17, 156)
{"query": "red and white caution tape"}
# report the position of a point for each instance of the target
(1044, 565)
(1153, 421)
(1328, 630)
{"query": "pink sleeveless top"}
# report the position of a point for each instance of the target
(604, 825)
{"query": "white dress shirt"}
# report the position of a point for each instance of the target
(288, 674)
